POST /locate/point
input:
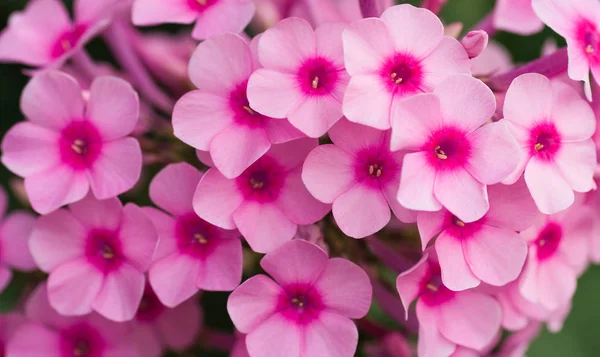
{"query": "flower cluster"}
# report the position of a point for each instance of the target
(311, 148)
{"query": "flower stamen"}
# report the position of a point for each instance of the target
(538, 147)
(249, 110)
(107, 252)
(256, 184)
(315, 83)
(201, 2)
(440, 153)
(432, 287)
(79, 146)
(200, 238)
(589, 49)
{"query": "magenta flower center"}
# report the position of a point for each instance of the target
(433, 292)
(402, 74)
(103, 249)
(240, 106)
(81, 341)
(300, 303)
(262, 181)
(317, 76)
(201, 5)
(544, 141)
(195, 236)
(67, 41)
(462, 230)
(150, 307)
(375, 166)
(589, 38)
(80, 144)
(548, 240)
(448, 148)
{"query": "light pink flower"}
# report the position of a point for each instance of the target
(475, 42)
(307, 310)
(313, 233)
(218, 114)
(192, 254)
(96, 253)
(158, 328)
(578, 21)
(267, 202)
(69, 146)
(303, 78)
(360, 176)
(9, 323)
(516, 16)
(43, 35)
(393, 344)
(239, 348)
(553, 126)
(558, 254)
(15, 229)
(49, 334)
(447, 319)
(212, 17)
(517, 344)
(494, 59)
(456, 156)
(402, 54)
(489, 249)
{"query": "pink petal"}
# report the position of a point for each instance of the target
(413, 121)
(456, 273)
(264, 226)
(345, 288)
(461, 194)
(528, 100)
(121, 293)
(465, 102)
(550, 191)
(232, 160)
(495, 153)
(224, 17)
(155, 12)
(15, 231)
(328, 172)
(114, 107)
(390, 192)
(285, 46)
(352, 137)
(138, 237)
(577, 162)
(517, 16)
(579, 66)
(291, 155)
(73, 287)
(5, 277)
(117, 169)
(528, 287)
(470, 319)
(368, 102)
(568, 104)
(367, 44)
(361, 211)
(52, 99)
(559, 15)
(216, 199)
(173, 278)
(417, 183)
(57, 238)
(166, 228)
(408, 283)
(415, 31)
(91, 12)
(298, 205)
(557, 283)
(94, 213)
(230, 64)
(294, 262)
(253, 302)
(430, 224)
(67, 185)
(315, 115)
(273, 93)
(222, 269)
(179, 327)
(173, 187)
(48, 343)
(329, 42)
(37, 308)
(28, 148)
(495, 255)
(281, 131)
(331, 335)
(275, 337)
(431, 341)
(147, 340)
(511, 206)
(448, 59)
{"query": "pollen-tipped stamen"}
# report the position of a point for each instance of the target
(459, 223)
(315, 83)
(432, 287)
(538, 147)
(249, 110)
(256, 184)
(200, 238)
(66, 45)
(440, 153)
(297, 302)
(201, 2)
(396, 80)
(79, 146)
(589, 49)
(107, 252)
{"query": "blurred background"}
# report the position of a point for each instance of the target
(581, 333)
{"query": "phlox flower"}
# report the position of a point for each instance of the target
(15, 229)
(267, 202)
(192, 254)
(212, 17)
(489, 249)
(516, 16)
(218, 114)
(9, 323)
(43, 35)
(402, 54)
(578, 21)
(447, 319)
(494, 59)
(553, 126)
(47, 333)
(96, 253)
(359, 175)
(518, 343)
(303, 78)
(307, 310)
(456, 154)
(158, 328)
(475, 42)
(68, 145)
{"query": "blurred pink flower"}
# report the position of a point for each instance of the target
(516, 16)
(9, 323)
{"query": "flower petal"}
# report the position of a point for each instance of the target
(216, 199)
(328, 172)
(173, 278)
(361, 211)
(253, 302)
(461, 194)
(367, 43)
(173, 187)
(295, 262)
(417, 184)
(73, 287)
(549, 189)
(121, 294)
(264, 226)
(456, 273)
(29, 148)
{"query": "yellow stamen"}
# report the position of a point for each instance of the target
(249, 110)
(315, 83)
(256, 184)
(371, 170)
(66, 45)
(107, 252)
(378, 173)
(201, 2)
(459, 223)
(398, 80)
(78, 146)
(589, 49)
(440, 153)
(432, 287)
(200, 238)
(298, 302)
(538, 147)
(542, 243)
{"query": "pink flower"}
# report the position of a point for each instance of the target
(192, 254)
(43, 35)
(579, 23)
(489, 249)
(558, 254)
(456, 156)
(69, 146)
(475, 42)
(96, 253)
(218, 114)
(553, 126)
(517, 344)
(14, 234)
(158, 328)
(402, 54)
(516, 16)
(9, 323)
(359, 175)
(313, 233)
(49, 334)
(306, 311)
(212, 17)
(494, 59)
(266, 202)
(303, 78)
(447, 319)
